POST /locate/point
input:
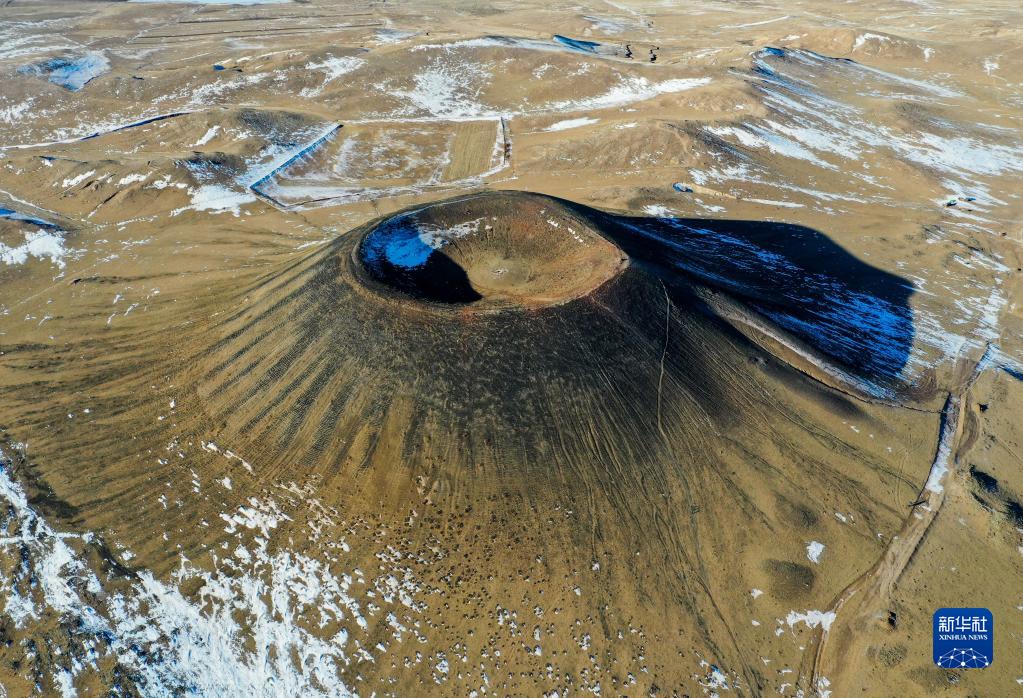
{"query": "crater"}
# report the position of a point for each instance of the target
(490, 251)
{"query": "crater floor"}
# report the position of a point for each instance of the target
(490, 251)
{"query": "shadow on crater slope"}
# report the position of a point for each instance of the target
(855, 313)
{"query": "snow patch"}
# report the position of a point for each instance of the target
(218, 199)
(40, 244)
(571, 123)
(208, 136)
(944, 454)
(261, 621)
(71, 73)
(333, 68)
(812, 619)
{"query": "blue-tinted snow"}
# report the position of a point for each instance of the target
(71, 72)
(294, 155)
(13, 215)
(577, 44)
(854, 313)
(398, 242)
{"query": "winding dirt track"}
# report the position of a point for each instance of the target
(831, 658)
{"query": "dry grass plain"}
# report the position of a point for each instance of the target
(303, 395)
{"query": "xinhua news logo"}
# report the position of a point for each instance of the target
(964, 638)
